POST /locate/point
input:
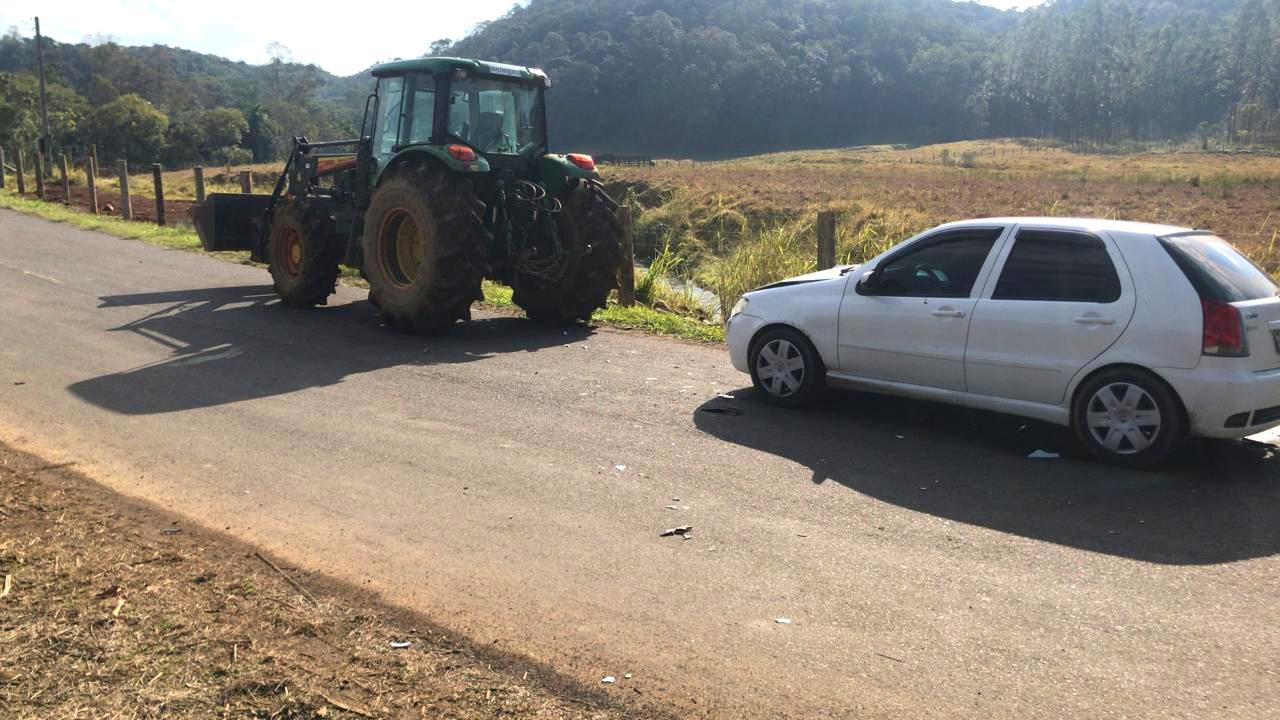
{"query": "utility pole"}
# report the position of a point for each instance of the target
(44, 106)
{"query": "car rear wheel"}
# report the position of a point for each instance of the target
(785, 367)
(1128, 417)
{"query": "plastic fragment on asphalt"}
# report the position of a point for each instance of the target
(783, 621)
(1044, 455)
(627, 676)
(400, 645)
(609, 680)
(671, 532)
(722, 410)
(726, 397)
(673, 507)
(620, 468)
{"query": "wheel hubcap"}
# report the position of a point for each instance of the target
(780, 368)
(291, 251)
(1123, 418)
(403, 247)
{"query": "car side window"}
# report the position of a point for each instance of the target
(946, 267)
(1054, 266)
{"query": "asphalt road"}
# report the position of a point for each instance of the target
(929, 568)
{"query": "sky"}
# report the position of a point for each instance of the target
(341, 38)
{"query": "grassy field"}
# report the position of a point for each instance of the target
(741, 223)
(735, 225)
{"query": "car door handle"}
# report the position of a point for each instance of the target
(948, 313)
(1092, 319)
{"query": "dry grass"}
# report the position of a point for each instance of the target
(114, 609)
(749, 221)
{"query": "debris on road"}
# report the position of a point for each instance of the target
(171, 531)
(400, 644)
(726, 397)
(609, 680)
(620, 468)
(673, 507)
(8, 585)
(627, 676)
(783, 621)
(890, 657)
(736, 412)
(682, 530)
(1044, 455)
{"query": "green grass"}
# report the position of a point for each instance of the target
(184, 238)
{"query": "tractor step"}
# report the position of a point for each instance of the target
(230, 221)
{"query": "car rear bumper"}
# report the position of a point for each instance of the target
(1226, 401)
(738, 333)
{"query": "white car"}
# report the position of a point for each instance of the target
(1133, 335)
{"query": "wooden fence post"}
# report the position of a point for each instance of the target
(627, 273)
(66, 181)
(90, 176)
(246, 182)
(157, 177)
(826, 239)
(198, 171)
(1, 168)
(22, 174)
(126, 204)
(93, 153)
(39, 175)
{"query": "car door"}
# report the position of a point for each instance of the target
(1059, 300)
(907, 319)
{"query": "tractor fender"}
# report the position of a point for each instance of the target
(431, 154)
(555, 172)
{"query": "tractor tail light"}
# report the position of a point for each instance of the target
(1223, 330)
(586, 162)
(462, 152)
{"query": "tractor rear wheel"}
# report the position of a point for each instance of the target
(425, 249)
(302, 256)
(591, 238)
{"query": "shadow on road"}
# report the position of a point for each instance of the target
(1214, 503)
(230, 344)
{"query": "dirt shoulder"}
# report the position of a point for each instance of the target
(114, 606)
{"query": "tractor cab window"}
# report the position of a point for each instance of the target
(495, 116)
(390, 92)
(423, 109)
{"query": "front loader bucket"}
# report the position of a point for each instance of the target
(226, 221)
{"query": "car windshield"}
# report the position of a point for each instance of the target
(496, 116)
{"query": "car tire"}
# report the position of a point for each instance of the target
(1128, 417)
(785, 367)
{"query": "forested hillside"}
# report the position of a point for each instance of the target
(724, 77)
(169, 104)
(735, 76)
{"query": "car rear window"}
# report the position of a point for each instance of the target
(1217, 270)
(1058, 267)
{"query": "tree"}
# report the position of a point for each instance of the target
(130, 128)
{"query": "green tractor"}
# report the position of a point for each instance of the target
(451, 181)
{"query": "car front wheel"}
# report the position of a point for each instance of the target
(1128, 417)
(785, 367)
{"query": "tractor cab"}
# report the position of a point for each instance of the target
(474, 116)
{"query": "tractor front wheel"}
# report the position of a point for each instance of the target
(302, 255)
(424, 249)
(591, 240)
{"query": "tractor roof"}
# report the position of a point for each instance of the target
(435, 65)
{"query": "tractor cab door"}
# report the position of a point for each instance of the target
(387, 119)
(406, 114)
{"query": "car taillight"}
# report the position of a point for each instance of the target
(1223, 330)
(586, 162)
(462, 152)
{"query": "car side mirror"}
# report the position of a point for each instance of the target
(868, 283)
